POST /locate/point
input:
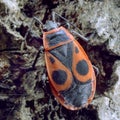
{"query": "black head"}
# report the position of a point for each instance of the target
(49, 25)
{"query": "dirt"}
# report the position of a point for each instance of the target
(25, 93)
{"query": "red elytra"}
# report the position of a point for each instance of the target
(71, 74)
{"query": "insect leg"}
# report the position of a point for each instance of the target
(81, 36)
(24, 43)
(96, 69)
(79, 33)
(41, 48)
(39, 51)
(54, 14)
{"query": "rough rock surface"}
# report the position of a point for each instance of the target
(107, 105)
(25, 93)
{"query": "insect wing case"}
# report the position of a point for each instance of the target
(70, 72)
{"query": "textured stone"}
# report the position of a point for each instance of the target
(98, 18)
(109, 105)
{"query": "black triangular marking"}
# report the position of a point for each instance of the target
(64, 51)
(64, 54)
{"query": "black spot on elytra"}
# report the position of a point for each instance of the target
(52, 60)
(76, 50)
(59, 76)
(82, 67)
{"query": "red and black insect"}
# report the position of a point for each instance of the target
(71, 74)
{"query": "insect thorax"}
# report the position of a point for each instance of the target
(49, 25)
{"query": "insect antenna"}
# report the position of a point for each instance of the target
(79, 33)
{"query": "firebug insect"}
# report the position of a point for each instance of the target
(71, 74)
